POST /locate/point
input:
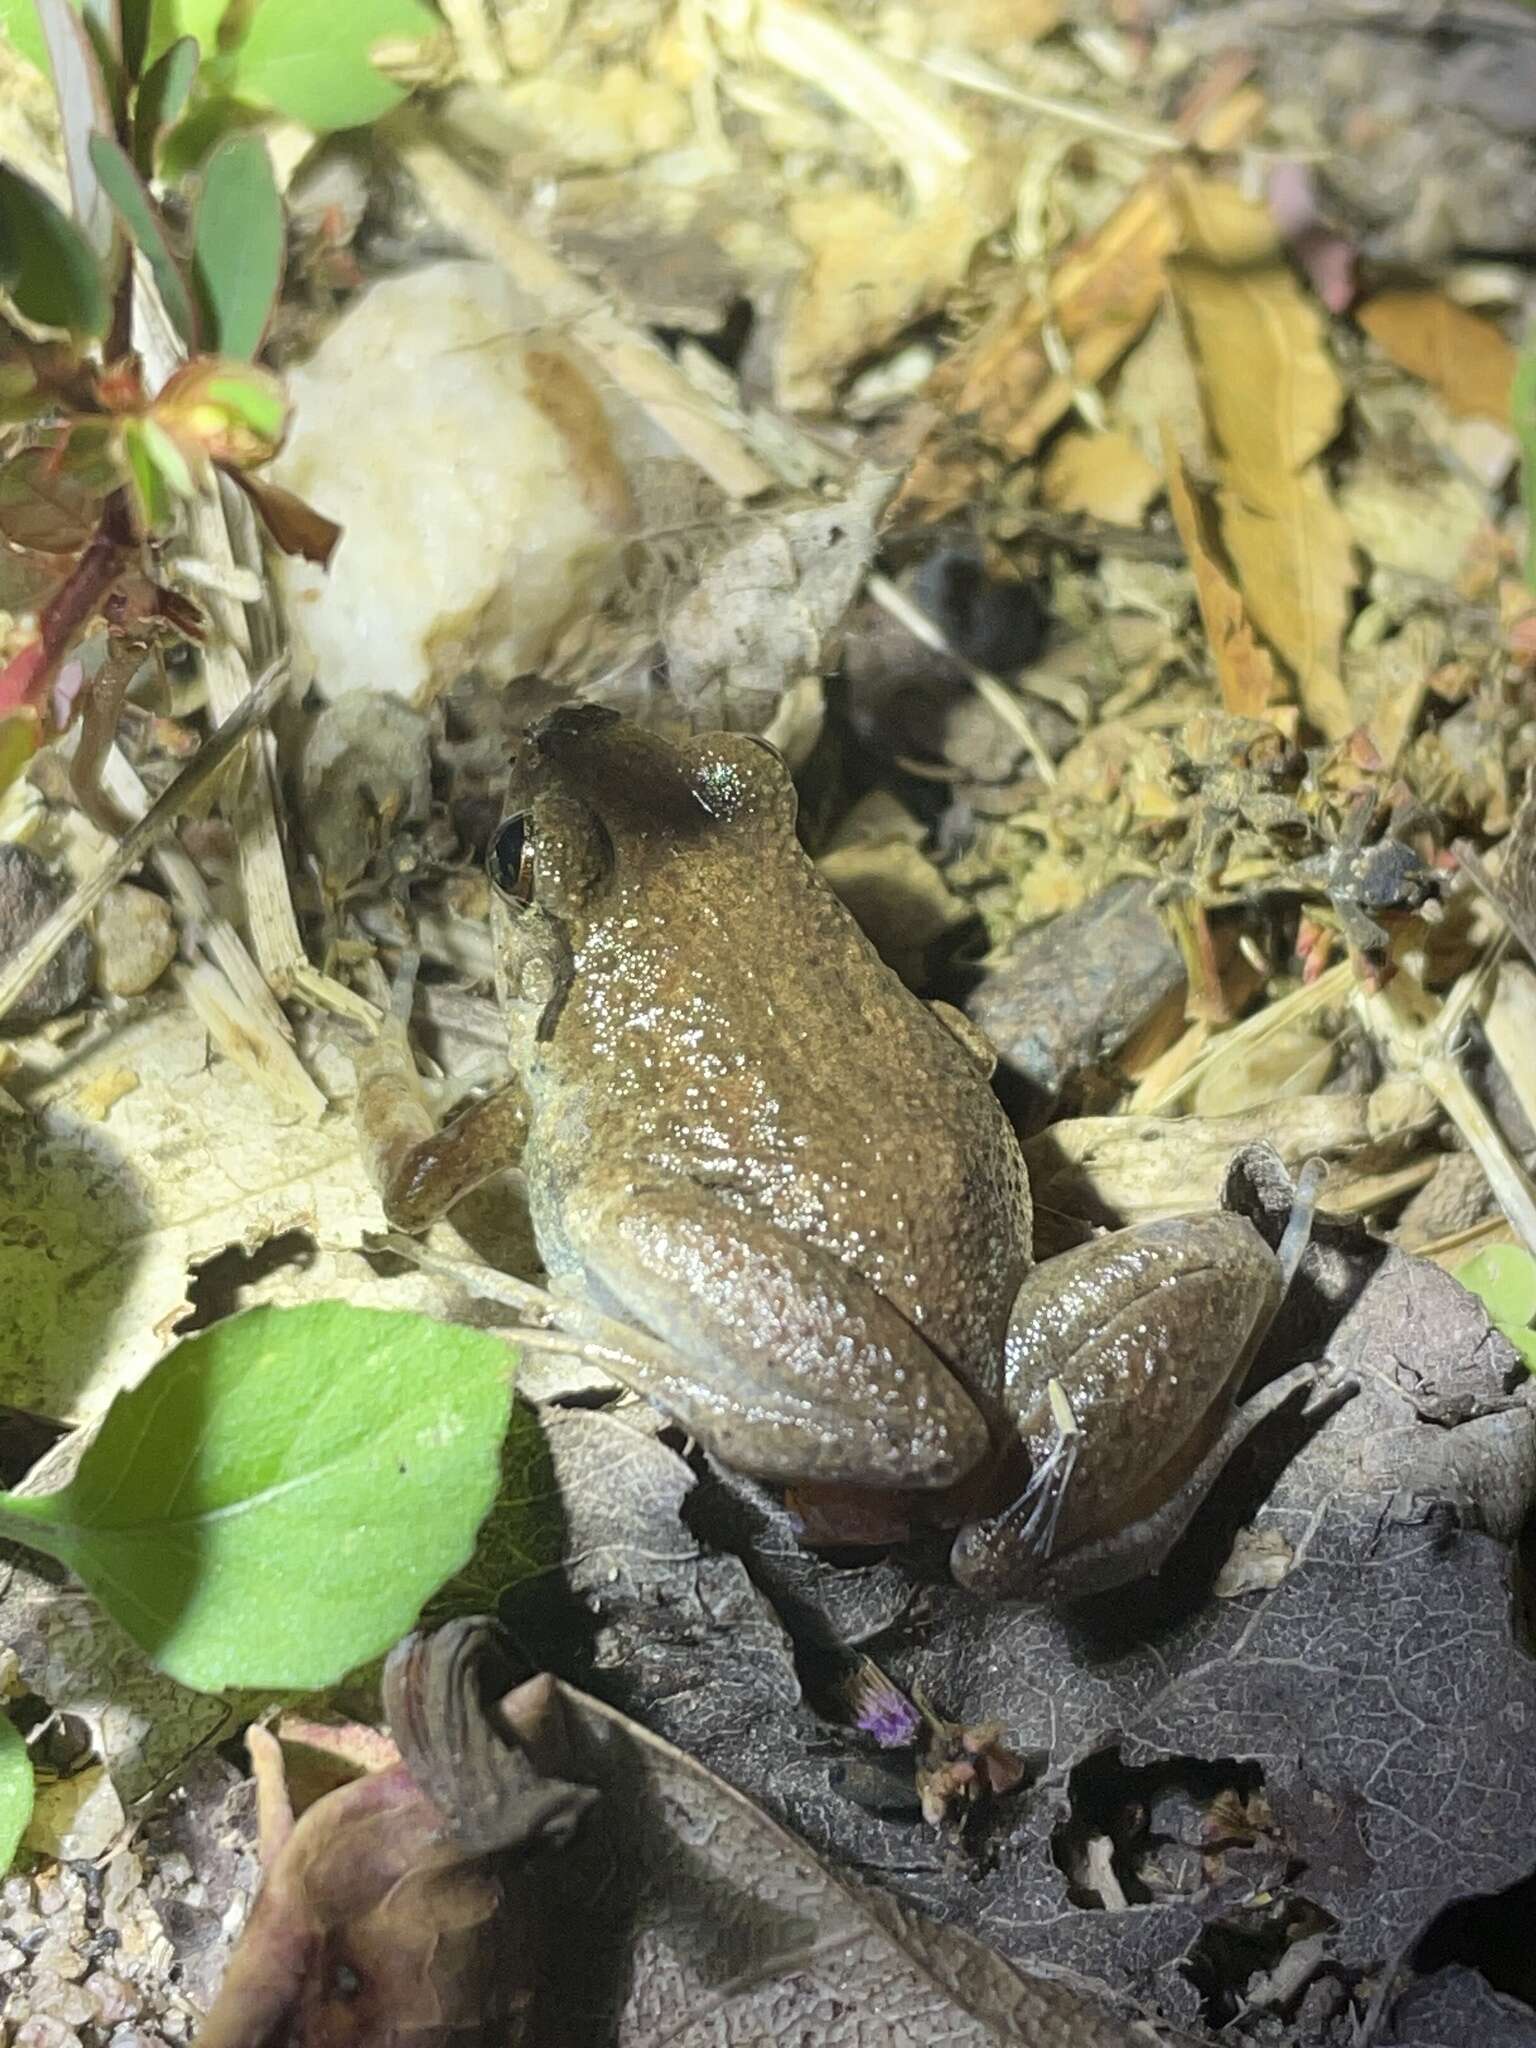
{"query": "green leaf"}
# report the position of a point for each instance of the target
(237, 244)
(128, 193)
(313, 62)
(24, 32)
(521, 1538)
(1522, 407)
(102, 21)
(15, 1790)
(135, 37)
(85, 110)
(1504, 1280)
(163, 93)
(20, 737)
(231, 412)
(196, 18)
(272, 1505)
(148, 485)
(168, 458)
(46, 264)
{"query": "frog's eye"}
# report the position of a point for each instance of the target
(509, 863)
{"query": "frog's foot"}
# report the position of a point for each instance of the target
(997, 1556)
(420, 1168)
(1298, 1228)
(1033, 1519)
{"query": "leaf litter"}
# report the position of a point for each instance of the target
(886, 289)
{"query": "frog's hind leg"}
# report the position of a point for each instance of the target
(1135, 1553)
(784, 1362)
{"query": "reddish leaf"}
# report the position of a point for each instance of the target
(28, 579)
(45, 504)
(20, 679)
(293, 523)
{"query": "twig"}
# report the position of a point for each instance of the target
(932, 149)
(634, 362)
(1330, 987)
(262, 1022)
(34, 956)
(988, 688)
(960, 68)
(1420, 1039)
(252, 808)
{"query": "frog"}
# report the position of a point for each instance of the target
(781, 1187)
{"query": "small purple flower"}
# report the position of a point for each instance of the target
(881, 1710)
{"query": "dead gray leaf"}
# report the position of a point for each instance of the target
(1376, 1692)
(767, 609)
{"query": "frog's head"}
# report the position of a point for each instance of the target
(605, 821)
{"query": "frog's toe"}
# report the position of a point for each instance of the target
(1008, 1553)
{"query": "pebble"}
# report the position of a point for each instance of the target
(58, 1955)
(115, 1999)
(47, 1996)
(135, 940)
(43, 2031)
(482, 501)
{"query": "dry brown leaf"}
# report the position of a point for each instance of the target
(1103, 294)
(1272, 403)
(993, 27)
(1460, 354)
(873, 270)
(1244, 669)
(1104, 475)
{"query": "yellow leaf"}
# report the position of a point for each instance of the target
(1272, 403)
(1007, 385)
(1244, 669)
(1460, 354)
(1104, 475)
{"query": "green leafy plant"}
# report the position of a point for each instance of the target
(1522, 407)
(274, 1502)
(1504, 1280)
(15, 1789)
(93, 463)
(314, 61)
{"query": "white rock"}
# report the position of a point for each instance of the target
(470, 463)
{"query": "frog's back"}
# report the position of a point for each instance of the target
(728, 1026)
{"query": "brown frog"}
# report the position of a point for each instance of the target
(744, 1138)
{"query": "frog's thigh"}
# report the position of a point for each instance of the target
(1148, 1332)
(789, 1366)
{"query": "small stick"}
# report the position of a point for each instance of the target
(137, 841)
(992, 692)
